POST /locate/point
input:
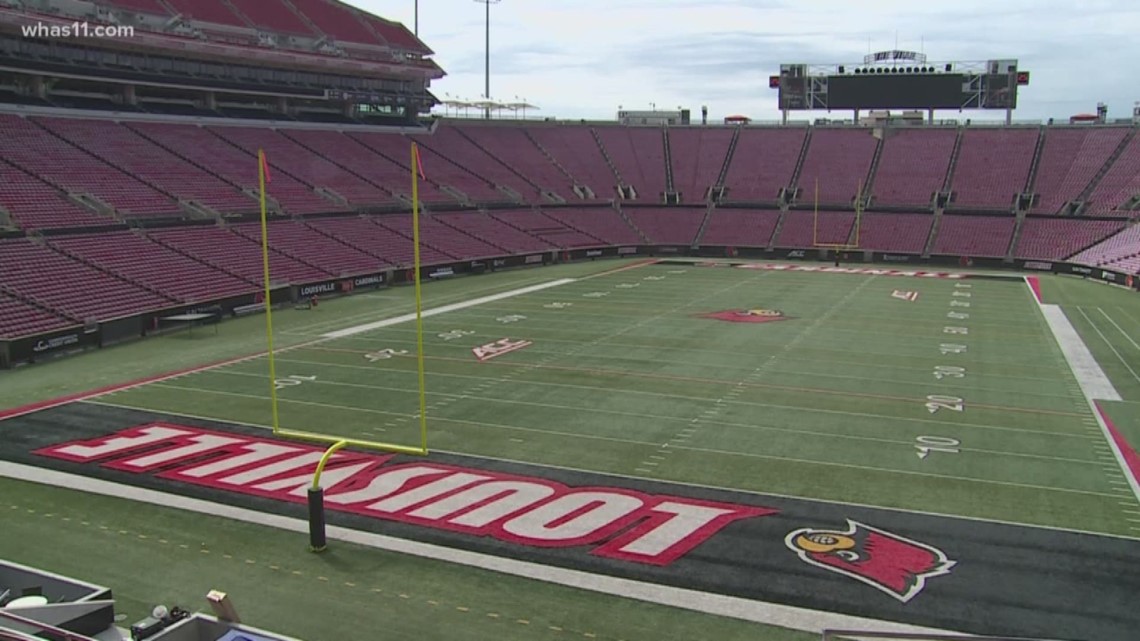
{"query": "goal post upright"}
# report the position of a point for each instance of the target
(261, 180)
(417, 168)
(318, 541)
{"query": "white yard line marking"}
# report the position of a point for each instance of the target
(1093, 382)
(1111, 347)
(676, 443)
(757, 611)
(367, 327)
(1118, 328)
(1121, 464)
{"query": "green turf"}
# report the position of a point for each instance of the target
(828, 404)
(825, 405)
(350, 592)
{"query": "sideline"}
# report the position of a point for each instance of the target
(396, 320)
(785, 616)
(120, 387)
(1092, 380)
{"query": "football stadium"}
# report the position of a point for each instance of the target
(293, 348)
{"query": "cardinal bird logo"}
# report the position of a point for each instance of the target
(891, 563)
(748, 315)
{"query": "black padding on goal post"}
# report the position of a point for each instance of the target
(317, 541)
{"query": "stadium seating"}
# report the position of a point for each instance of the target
(146, 6)
(840, 160)
(143, 169)
(237, 254)
(1120, 251)
(272, 15)
(1069, 160)
(438, 171)
(205, 149)
(763, 163)
(601, 222)
(18, 318)
(26, 145)
(992, 167)
(974, 236)
(366, 236)
(449, 143)
(508, 239)
(396, 35)
(214, 11)
(68, 286)
(122, 147)
(35, 204)
(1056, 238)
(554, 232)
(834, 228)
(145, 262)
(673, 226)
(361, 160)
(450, 241)
(698, 154)
(913, 166)
(336, 21)
(638, 153)
(901, 233)
(740, 227)
(285, 156)
(575, 149)
(308, 245)
(511, 146)
(1120, 184)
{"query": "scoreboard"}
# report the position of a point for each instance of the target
(982, 85)
(898, 91)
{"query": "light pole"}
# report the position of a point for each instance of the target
(417, 19)
(487, 59)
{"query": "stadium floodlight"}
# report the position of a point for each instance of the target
(487, 59)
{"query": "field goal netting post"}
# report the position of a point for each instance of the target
(317, 538)
(863, 635)
(852, 242)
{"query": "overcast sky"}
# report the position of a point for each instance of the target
(584, 58)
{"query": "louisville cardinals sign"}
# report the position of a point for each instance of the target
(889, 562)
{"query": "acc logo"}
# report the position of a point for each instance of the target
(748, 315)
(891, 563)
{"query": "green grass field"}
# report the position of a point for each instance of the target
(856, 396)
(831, 403)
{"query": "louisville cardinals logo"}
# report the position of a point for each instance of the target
(891, 563)
(748, 315)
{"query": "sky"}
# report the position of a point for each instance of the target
(585, 58)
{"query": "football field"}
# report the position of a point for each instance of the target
(753, 451)
(928, 394)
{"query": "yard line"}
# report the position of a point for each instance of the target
(813, 390)
(666, 348)
(666, 449)
(367, 327)
(907, 444)
(1111, 347)
(1119, 328)
(671, 418)
(806, 620)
